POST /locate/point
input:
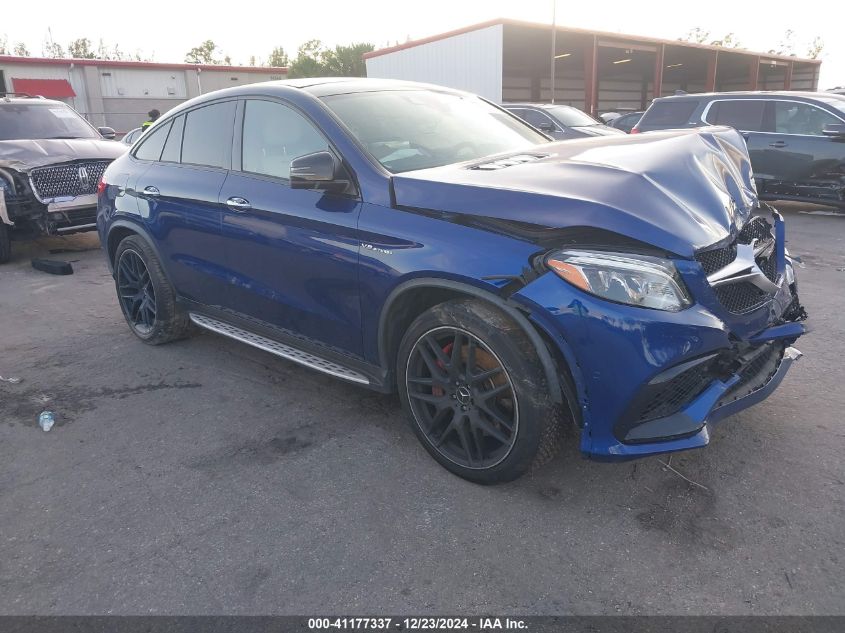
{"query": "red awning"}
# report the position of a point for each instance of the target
(51, 88)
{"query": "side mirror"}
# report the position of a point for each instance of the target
(106, 132)
(834, 130)
(320, 170)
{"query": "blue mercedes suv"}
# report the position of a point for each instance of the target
(415, 239)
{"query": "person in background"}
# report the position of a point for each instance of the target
(153, 114)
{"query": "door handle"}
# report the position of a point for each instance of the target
(236, 203)
(151, 191)
(778, 144)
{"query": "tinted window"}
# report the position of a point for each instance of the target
(152, 143)
(666, 114)
(567, 115)
(173, 147)
(746, 115)
(207, 138)
(274, 135)
(792, 117)
(537, 119)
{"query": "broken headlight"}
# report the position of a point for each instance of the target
(638, 280)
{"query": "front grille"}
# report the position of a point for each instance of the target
(717, 259)
(757, 229)
(741, 297)
(71, 180)
(676, 393)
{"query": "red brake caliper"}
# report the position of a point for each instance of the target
(438, 391)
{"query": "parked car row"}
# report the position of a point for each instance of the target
(421, 240)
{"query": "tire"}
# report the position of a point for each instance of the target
(5, 243)
(481, 437)
(163, 320)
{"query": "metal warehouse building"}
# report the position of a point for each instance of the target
(508, 60)
(119, 94)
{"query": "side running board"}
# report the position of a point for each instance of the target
(279, 349)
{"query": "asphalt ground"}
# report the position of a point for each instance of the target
(207, 477)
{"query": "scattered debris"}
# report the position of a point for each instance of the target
(46, 420)
(11, 379)
(52, 266)
(667, 465)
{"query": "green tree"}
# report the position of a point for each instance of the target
(203, 54)
(815, 48)
(81, 49)
(697, 35)
(52, 49)
(787, 44)
(278, 58)
(347, 61)
(728, 41)
(309, 61)
(4, 43)
(21, 50)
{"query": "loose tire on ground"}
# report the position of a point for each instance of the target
(446, 370)
(170, 321)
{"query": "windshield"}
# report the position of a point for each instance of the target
(41, 120)
(571, 117)
(415, 129)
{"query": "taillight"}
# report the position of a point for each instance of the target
(101, 187)
(634, 130)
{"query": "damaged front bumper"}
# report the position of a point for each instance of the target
(647, 382)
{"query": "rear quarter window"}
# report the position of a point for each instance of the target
(668, 114)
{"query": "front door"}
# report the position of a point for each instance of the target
(291, 254)
(797, 153)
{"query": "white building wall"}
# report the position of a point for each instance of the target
(142, 82)
(469, 61)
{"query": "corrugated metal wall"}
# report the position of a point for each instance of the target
(469, 61)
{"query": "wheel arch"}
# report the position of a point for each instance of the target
(411, 298)
(120, 230)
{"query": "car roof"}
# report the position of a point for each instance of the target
(754, 94)
(16, 97)
(325, 86)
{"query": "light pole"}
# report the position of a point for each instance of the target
(554, 46)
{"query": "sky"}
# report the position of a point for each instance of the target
(167, 30)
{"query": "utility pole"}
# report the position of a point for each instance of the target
(554, 46)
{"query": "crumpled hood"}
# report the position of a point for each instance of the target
(23, 155)
(678, 190)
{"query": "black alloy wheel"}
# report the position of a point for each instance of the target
(136, 292)
(146, 296)
(462, 398)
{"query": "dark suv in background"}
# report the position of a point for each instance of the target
(796, 140)
(51, 160)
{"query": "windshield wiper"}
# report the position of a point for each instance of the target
(50, 138)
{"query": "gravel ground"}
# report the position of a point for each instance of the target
(206, 477)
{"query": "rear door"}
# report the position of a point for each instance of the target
(179, 194)
(291, 254)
